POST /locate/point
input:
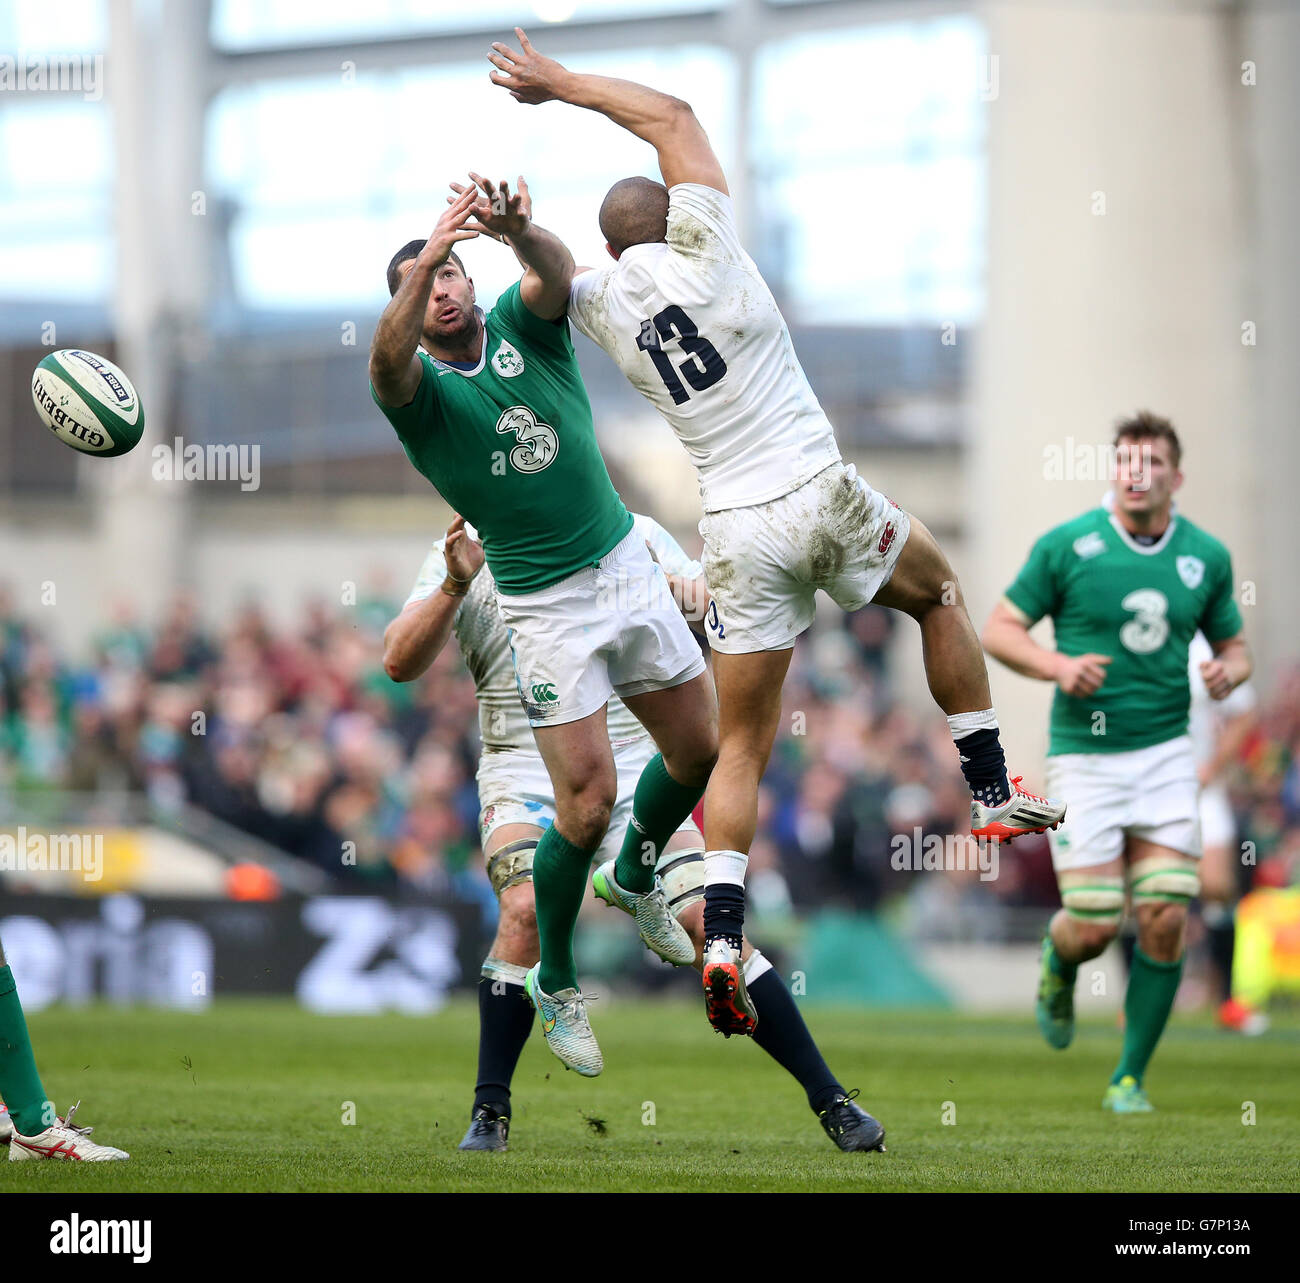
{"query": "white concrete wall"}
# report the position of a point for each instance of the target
(1120, 233)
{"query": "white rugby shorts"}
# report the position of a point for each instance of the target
(1150, 793)
(611, 628)
(765, 563)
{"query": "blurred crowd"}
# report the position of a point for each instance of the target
(298, 737)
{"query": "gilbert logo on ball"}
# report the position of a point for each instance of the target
(87, 402)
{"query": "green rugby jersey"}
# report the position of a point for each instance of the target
(1108, 595)
(512, 447)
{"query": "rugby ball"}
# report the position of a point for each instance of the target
(87, 402)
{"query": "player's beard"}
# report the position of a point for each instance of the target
(460, 336)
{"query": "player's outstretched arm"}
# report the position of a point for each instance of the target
(1006, 637)
(668, 124)
(395, 370)
(415, 638)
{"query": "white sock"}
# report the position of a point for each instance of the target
(963, 724)
(754, 966)
(725, 867)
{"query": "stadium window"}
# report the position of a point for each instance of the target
(898, 149)
(300, 240)
(38, 27)
(260, 24)
(55, 213)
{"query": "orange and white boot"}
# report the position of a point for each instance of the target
(1023, 812)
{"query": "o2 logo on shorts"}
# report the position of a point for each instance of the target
(538, 443)
(1146, 632)
(713, 623)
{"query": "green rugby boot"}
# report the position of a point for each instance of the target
(1127, 1097)
(660, 931)
(565, 1025)
(1055, 1005)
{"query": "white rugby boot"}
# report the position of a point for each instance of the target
(62, 1139)
(660, 931)
(565, 1025)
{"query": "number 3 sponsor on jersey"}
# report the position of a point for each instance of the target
(1147, 631)
(538, 443)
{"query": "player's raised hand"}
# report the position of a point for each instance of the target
(524, 206)
(499, 213)
(1216, 679)
(1081, 675)
(530, 77)
(451, 228)
(463, 555)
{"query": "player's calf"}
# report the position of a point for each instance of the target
(1094, 908)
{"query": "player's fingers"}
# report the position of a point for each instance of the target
(505, 51)
(501, 62)
(523, 40)
(463, 234)
(518, 97)
(1100, 659)
(484, 231)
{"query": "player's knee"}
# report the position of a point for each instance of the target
(1164, 885)
(1092, 937)
(1161, 924)
(693, 763)
(583, 818)
(1095, 907)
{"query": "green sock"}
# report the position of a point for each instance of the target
(20, 1084)
(559, 879)
(1147, 1004)
(1066, 970)
(659, 806)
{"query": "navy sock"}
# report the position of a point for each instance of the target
(781, 1033)
(724, 912)
(984, 766)
(505, 1019)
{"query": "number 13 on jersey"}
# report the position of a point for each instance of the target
(705, 365)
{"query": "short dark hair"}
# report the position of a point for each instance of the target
(634, 212)
(1145, 426)
(409, 251)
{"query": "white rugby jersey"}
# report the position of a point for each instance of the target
(485, 646)
(697, 332)
(1204, 715)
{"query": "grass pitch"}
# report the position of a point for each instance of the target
(254, 1096)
